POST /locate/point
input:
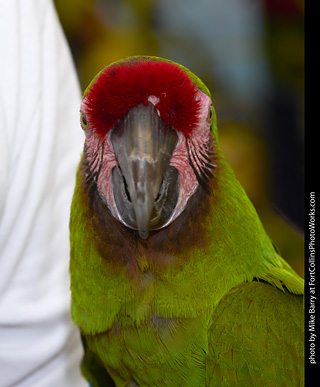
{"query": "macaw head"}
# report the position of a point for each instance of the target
(149, 142)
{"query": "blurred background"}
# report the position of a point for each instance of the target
(250, 53)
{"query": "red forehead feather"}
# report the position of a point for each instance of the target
(121, 87)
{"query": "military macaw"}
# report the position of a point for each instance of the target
(174, 280)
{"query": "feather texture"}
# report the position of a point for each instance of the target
(255, 338)
(122, 86)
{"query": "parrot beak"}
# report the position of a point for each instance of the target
(145, 186)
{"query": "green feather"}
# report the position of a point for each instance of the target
(255, 338)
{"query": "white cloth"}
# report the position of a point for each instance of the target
(40, 146)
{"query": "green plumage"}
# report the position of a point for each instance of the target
(225, 311)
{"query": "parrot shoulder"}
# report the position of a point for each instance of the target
(256, 337)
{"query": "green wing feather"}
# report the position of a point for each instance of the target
(256, 338)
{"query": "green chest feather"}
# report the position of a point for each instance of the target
(158, 352)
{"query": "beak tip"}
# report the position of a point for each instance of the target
(144, 234)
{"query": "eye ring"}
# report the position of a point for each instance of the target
(210, 115)
(83, 121)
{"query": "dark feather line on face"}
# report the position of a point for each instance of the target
(202, 164)
(91, 164)
(206, 156)
(94, 167)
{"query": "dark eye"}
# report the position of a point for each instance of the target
(210, 115)
(84, 121)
